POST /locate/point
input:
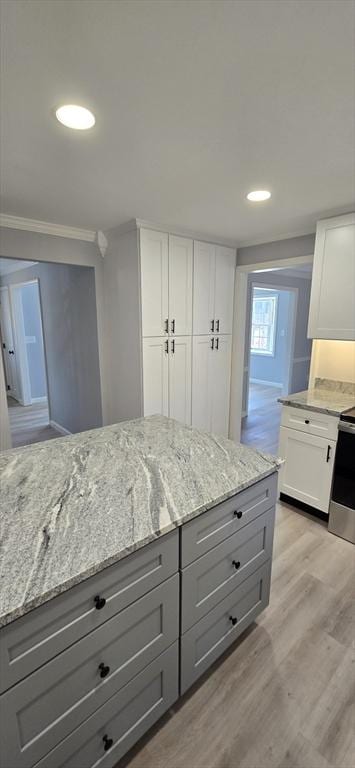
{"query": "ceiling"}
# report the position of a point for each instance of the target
(14, 265)
(197, 102)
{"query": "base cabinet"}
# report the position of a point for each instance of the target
(307, 471)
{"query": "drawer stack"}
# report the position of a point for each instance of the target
(85, 675)
(225, 560)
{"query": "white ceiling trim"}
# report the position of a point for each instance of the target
(47, 228)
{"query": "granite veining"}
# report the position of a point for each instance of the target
(346, 387)
(73, 506)
(330, 401)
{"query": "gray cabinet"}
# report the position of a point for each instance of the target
(211, 636)
(31, 641)
(210, 528)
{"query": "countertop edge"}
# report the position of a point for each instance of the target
(17, 613)
(306, 407)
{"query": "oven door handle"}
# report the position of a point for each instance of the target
(344, 426)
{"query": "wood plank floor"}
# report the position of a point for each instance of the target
(261, 428)
(29, 423)
(283, 696)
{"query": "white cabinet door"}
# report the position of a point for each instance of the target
(202, 356)
(154, 255)
(204, 287)
(220, 378)
(155, 376)
(180, 379)
(224, 289)
(332, 306)
(308, 469)
(180, 285)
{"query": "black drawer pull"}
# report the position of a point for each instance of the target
(99, 602)
(306, 421)
(238, 513)
(104, 670)
(236, 564)
(107, 742)
(233, 619)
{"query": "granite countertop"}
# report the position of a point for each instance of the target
(74, 505)
(320, 399)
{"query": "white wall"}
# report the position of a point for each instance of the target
(333, 360)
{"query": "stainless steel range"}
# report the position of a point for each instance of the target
(342, 505)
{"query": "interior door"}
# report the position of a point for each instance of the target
(224, 289)
(204, 287)
(221, 373)
(155, 376)
(201, 382)
(180, 285)
(7, 339)
(180, 379)
(308, 469)
(154, 256)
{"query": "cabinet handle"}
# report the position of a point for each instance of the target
(306, 421)
(107, 742)
(104, 670)
(329, 452)
(173, 346)
(217, 326)
(167, 347)
(236, 564)
(100, 602)
(212, 326)
(238, 513)
(212, 343)
(217, 343)
(167, 325)
(233, 619)
(173, 326)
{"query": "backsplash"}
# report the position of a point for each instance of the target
(346, 387)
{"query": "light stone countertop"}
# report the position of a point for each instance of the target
(73, 506)
(322, 400)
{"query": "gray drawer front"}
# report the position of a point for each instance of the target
(212, 577)
(212, 527)
(31, 641)
(210, 637)
(48, 705)
(124, 718)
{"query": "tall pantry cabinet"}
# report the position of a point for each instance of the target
(174, 303)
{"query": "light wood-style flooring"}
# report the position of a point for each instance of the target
(29, 423)
(284, 696)
(261, 428)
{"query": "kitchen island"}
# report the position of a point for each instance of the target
(97, 585)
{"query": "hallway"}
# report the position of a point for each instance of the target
(260, 429)
(29, 424)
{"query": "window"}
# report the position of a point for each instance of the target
(263, 324)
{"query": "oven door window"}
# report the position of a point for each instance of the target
(344, 470)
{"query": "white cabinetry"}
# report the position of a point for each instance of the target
(211, 361)
(307, 471)
(155, 376)
(154, 282)
(180, 379)
(214, 270)
(332, 306)
(180, 285)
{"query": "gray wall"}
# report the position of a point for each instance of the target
(71, 342)
(273, 367)
(279, 249)
(34, 341)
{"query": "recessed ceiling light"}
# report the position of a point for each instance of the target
(258, 195)
(75, 117)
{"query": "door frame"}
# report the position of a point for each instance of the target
(239, 332)
(19, 333)
(4, 291)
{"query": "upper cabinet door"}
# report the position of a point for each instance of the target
(154, 282)
(224, 289)
(204, 287)
(180, 285)
(202, 355)
(332, 306)
(155, 376)
(221, 374)
(180, 379)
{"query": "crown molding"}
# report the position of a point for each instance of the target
(47, 228)
(137, 224)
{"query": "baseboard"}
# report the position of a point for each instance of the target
(38, 400)
(59, 428)
(277, 384)
(305, 507)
